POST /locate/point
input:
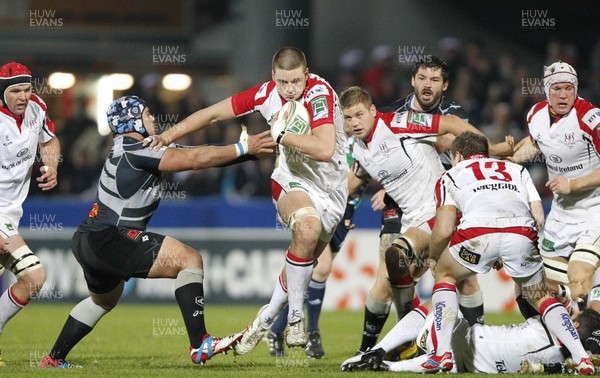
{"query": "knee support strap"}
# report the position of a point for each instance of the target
(587, 253)
(189, 276)
(301, 213)
(23, 261)
(406, 246)
(556, 270)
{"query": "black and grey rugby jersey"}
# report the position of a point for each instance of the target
(445, 106)
(129, 189)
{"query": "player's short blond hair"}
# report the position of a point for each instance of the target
(289, 58)
(355, 95)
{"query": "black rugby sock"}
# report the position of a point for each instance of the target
(190, 299)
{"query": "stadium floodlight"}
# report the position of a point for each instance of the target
(121, 81)
(61, 80)
(105, 88)
(176, 82)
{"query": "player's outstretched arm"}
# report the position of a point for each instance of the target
(524, 152)
(197, 121)
(455, 126)
(183, 159)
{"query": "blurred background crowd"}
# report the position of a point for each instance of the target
(494, 76)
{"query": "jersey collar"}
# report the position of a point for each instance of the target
(411, 104)
(18, 118)
(375, 123)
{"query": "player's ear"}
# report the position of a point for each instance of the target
(444, 86)
(373, 110)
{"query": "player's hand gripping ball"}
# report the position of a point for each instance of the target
(293, 118)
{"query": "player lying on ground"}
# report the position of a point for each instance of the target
(112, 244)
(479, 348)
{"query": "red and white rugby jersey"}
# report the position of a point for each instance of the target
(394, 156)
(322, 104)
(20, 136)
(488, 189)
(571, 146)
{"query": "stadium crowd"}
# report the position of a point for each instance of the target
(496, 88)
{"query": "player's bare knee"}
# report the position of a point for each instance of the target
(583, 263)
(468, 286)
(34, 280)
(191, 259)
(105, 303)
(306, 227)
(322, 270)
(381, 289)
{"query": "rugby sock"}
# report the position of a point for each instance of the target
(298, 271)
(471, 307)
(82, 319)
(9, 306)
(559, 323)
(376, 313)
(281, 322)
(314, 302)
(278, 301)
(402, 296)
(189, 293)
(405, 330)
(445, 307)
(527, 310)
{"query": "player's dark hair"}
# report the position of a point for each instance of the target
(589, 329)
(289, 58)
(431, 61)
(469, 143)
(353, 96)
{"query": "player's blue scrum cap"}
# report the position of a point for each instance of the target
(12, 74)
(124, 115)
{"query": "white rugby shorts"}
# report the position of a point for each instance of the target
(477, 248)
(330, 205)
(560, 238)
(8, 226)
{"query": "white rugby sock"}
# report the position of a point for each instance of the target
(298, 271)
(278, 301)
(559, 323)
(407, 329)
(445, 310)
(9, 306)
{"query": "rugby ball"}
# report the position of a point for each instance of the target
(298, 119)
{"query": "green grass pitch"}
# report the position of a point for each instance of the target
(151, 341)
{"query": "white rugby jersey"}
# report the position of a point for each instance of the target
(394, 156)
(323, 106)
(488, 192)
(497, 348)
(571, 146)
(20, 136)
